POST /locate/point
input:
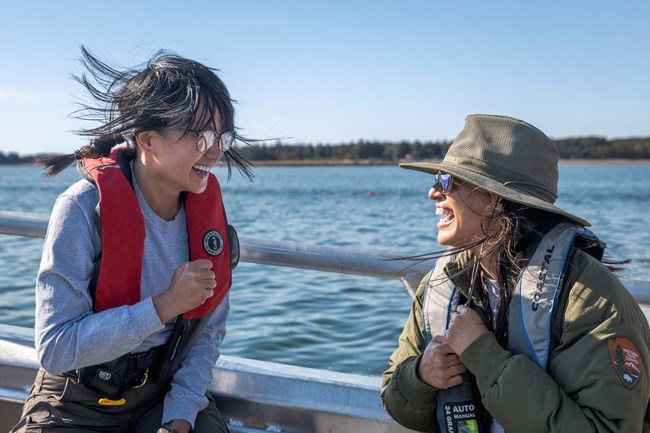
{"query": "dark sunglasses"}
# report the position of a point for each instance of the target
(443, 183)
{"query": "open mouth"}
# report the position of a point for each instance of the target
(204, 169)
(447, 215)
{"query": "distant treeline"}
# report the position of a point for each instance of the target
(13, 158)
(570, 148)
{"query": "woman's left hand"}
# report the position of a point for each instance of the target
(465, 327)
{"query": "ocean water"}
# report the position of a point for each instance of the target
(326, 320)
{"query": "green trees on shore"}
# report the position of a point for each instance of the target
(388, 152)
(570, 148)
(600, 148)
(361, 150)
(13, 158)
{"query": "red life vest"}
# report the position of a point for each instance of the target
(123, 234)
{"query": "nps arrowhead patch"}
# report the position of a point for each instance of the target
(625, 360)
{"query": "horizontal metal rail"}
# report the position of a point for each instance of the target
(314, 257)
(254, 396)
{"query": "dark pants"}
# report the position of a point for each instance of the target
(58, 403)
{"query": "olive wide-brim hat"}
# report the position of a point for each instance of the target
(507, 157)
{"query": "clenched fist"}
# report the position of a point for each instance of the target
(439, 366)
(465, 327)
(192, 283)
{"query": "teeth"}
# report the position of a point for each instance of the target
(446, 214)
(203, 168)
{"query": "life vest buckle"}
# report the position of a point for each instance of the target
(109, 402)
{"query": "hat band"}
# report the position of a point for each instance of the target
(500, 174)
(534, 185)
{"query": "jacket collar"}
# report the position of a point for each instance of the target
(459, 272)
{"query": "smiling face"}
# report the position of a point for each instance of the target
(181, 166)
(462, 211)
(169, 163)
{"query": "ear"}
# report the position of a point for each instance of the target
(144, 141)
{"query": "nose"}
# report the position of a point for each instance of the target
(435, 194)
(214, 152)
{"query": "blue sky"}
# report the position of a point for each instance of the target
(339, 71)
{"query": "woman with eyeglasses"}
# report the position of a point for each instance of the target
(520, 327)
(132, 291)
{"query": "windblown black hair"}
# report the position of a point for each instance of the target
(168, 90)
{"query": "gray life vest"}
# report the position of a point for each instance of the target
(530, 313)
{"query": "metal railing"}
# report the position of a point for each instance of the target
(326, 259)
(256, 396)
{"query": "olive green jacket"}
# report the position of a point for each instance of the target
(581, 391)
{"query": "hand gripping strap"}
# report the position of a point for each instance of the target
(208, 239)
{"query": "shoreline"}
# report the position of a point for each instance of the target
(381, 162)
(611, 161)
(371, 162)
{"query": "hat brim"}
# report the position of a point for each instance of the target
(509, 192)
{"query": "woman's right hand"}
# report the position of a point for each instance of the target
(439, 366)
(192, 283)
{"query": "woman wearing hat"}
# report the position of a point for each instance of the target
(520, 327)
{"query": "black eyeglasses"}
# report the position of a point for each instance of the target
(443, 183)
(209, 137)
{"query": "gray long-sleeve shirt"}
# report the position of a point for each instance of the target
(69, 335)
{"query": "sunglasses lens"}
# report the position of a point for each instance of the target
(445, 182)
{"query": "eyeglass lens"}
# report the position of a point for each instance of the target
(209, 137)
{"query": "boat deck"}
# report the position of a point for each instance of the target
(253, 396)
